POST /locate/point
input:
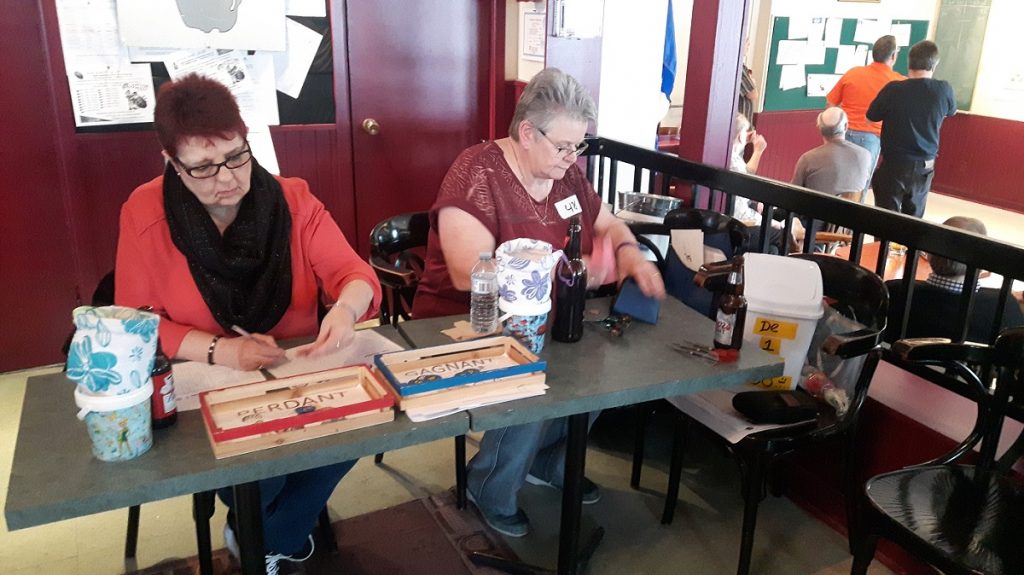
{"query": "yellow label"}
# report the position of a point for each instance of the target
(770, 344)
(773, 328)
(781, 382)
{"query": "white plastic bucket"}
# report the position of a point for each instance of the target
(784, 303)
(120, 426)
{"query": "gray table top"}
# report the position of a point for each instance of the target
(54, 475)
(602, 371)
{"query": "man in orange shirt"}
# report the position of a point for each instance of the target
(857, 89)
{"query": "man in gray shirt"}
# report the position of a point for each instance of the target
(836, 167)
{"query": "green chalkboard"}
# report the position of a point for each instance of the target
(797, 98)
(960, 35)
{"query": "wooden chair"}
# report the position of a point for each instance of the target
(958, 517)
(395, 247)
(722, 232)
(857, 294)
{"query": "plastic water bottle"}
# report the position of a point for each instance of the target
(483, 303)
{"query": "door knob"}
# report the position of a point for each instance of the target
(371, 126)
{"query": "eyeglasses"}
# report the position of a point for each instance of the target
(210, 170)
(563, 151)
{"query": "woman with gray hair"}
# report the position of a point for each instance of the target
(527, 185)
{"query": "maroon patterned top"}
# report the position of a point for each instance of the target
(482, 184)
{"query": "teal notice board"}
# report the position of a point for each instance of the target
(776, 99)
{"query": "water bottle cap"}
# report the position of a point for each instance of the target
(485, 255)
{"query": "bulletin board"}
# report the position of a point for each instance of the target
(776, 99)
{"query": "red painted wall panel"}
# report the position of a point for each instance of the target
(789, 134)
(37, 263)
(980, 160)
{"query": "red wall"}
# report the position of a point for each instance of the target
(979, 157)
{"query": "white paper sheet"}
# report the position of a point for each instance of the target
(264, 90)
(137, 54)
(366, 344)
(814, 54)
(793, 76)
(714, 410)
(867, 32)
(192, 378)
(819, 85)
(799, 26)
(791, 52)
(305, 8)
(846, 58)
(262, 147)
(231, 68)
(861, 55)
(816, 30)
(88, 35)
(249, 25)
(833, 32)
(292, 66)
(902, 34)
(123, 96)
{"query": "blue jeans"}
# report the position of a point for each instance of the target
(292, 503)
(872, 144)
(498, 470)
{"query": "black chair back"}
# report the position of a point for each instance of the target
(396, 247)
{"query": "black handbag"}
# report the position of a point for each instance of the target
(779, 407)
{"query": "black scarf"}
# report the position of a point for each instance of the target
(244, 276)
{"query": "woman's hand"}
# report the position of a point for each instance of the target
(336, 332)
(248, 353)
(632, 263)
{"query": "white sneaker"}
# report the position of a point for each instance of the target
(231, 542)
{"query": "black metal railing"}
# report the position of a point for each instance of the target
(714, 188)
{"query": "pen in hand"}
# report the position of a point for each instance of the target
(240, 331)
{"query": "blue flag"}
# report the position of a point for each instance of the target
(668, 62)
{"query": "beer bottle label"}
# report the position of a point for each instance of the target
(724, 326)
(167, 391)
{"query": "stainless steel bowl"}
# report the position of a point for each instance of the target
(647, 204)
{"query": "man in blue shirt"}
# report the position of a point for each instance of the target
(912, 112)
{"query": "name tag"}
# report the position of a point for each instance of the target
(568, 207)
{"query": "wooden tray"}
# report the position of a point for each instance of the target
(452, 365)
(262, 415)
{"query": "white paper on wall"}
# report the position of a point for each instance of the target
(225, 24)
(833, 32)
(122, 96)
(819, 85)
(306, 8)
(791, 52)
(846, 58)
(792, 76)
(902, 34)
(292, 66)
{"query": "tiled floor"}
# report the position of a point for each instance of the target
(703, 539)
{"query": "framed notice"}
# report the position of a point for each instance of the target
(532, 45)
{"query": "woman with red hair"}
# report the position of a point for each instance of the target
(218, 246)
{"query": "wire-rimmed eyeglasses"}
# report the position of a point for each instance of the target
(563, 151)
(232, 162)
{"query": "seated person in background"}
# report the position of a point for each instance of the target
(936, 304)
(218, 242)
(507, 189)
(836, 166)
(743, 209)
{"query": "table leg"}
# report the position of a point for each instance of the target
(249, 527)
(569, 557)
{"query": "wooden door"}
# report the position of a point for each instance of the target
(419, 69)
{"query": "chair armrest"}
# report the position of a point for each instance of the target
(942, 350)
(830, 237)
(389, 275)
(851, 343)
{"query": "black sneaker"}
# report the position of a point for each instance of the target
(591, 492)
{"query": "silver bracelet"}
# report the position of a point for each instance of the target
(355, 316)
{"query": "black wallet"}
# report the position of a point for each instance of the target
(780, 407)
